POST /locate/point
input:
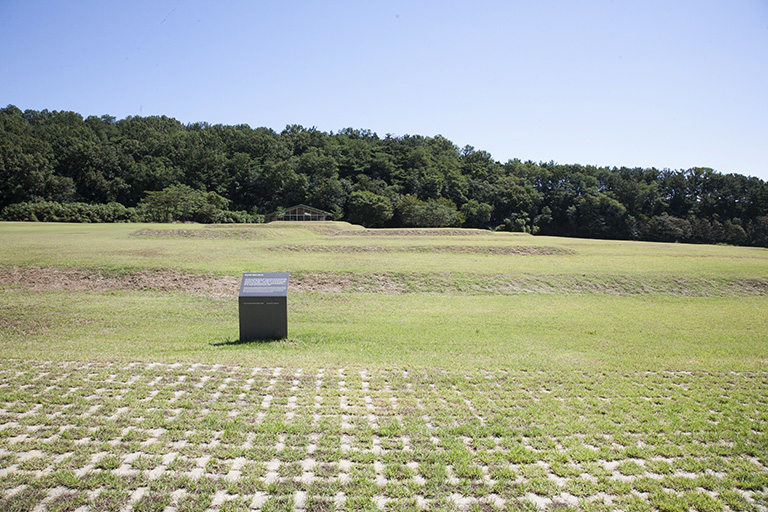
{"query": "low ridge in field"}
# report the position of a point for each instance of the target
(169, 280)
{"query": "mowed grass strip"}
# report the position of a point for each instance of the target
(371, 330)
(144, 436)
(116, 246)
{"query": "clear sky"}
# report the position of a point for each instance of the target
(648, 83)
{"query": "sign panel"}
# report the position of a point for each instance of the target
(263, 306)
(273, 284)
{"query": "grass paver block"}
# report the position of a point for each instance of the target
(148, 436)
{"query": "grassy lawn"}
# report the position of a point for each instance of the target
(293, 247)
(424, 370)
(523, 332)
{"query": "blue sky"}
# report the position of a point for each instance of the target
(666, 84)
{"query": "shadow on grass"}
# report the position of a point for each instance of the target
(232, 343)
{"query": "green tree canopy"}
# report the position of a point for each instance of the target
(411, 180)
(369, 209)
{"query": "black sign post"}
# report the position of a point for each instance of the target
(263, 306)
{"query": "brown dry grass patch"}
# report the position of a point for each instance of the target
(508, 250)
(206, 233)
(419, 232)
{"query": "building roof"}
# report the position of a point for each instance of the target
(300, 212)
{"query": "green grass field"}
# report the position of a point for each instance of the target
(424, 370)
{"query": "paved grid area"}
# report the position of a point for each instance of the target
(185, 437)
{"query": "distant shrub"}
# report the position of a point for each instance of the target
(667, 228)
(52, 211)
(238, 217)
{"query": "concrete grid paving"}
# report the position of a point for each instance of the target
(182, 437)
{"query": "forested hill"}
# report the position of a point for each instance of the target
(59, 166)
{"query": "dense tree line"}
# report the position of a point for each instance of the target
(59, 166)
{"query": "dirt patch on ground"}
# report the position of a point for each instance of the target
(76, 279)
(339, 282)
(170, 280)
(514, 250)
